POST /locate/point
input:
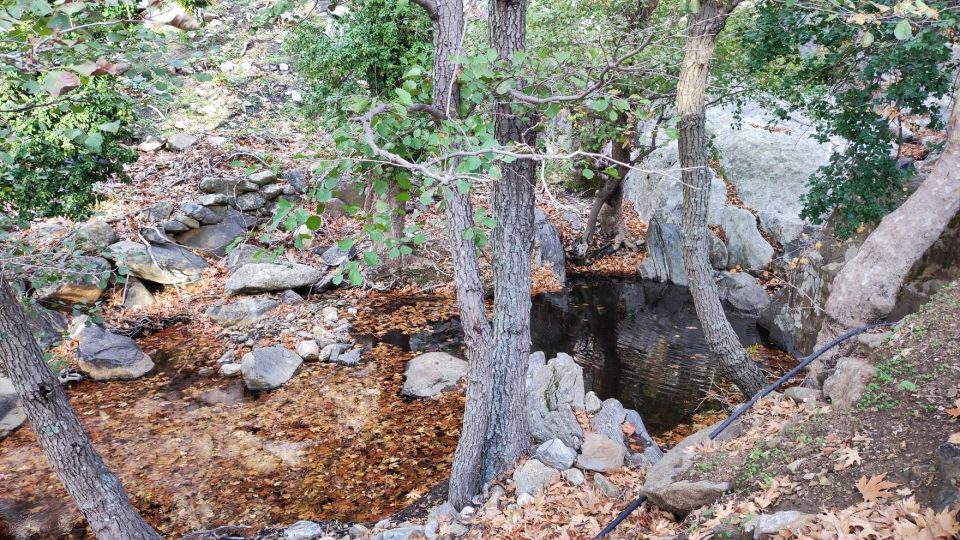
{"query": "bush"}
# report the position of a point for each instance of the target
(56, 153)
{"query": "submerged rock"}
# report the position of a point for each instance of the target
(268, 368)
(106, 356)
(430, 374)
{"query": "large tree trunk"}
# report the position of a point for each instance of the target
(96, 491)
(702, 28)
(466, 474)
(513, 204)
(867, 287)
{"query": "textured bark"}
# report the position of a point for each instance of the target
(466, 472)
(96, 491)
(702, 28)
(867, 287)
(513, 205)
(398, 211)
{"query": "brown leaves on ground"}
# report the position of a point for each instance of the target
(875, 488)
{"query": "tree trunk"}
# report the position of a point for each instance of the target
(867, 287)
(702, 28)
(398, 211)
(513, 204)
(466, 474)
(96, 491)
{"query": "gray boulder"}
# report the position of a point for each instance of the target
(106, 356)
(599, 453)
(304, 530)
(222, 186)
(349, 191)
(547, 247)
(215, 199)
(136, 295)
(334, 256)
(298, 179)
(202, 214)
(250, 201)
(664, 260)
(262, 277)
(268, 368)
(743, 292)
(845, 386)
(165, 264)
(158, 211)
(651, 451)
(609, 421)
(553, 391)
(605, 486)
(47, 326)
(181, 142)
(556, 454)
(745, 245)
(262, 178)
(246, 254)
(11, 415)
(95, 234)
(173, 226)
(213, 239)
(430, 374)
(242, 312)
(769, 525)
(533, 477)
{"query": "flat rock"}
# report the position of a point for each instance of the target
(533, 476)
(263, 277)
(242, 312)
(157, 211)
(268, 368)
(262, 178)
(11, 415)
(165, 264)
(334, 256)
(245, 254)
(181, 142)
(556, 454)
(769, 525)
(606, 487)
(430, 374)
(201, 213)
(106, 356)
(250, 201)
(599, 453)
(213, 239)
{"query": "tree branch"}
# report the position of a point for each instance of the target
(430, 7)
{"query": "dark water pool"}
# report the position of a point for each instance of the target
(639, 342)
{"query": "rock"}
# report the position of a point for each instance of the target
(230, 369)
(136, 295)
(245, 254)
(46, 325)
(651, 451)
(213, 239)
(743, 292)
(181, 142)
(11, 415)
(250, 201)
(458, 530)
(432, 529)
(719, 258)
(402, 533)
(222, 186)
(664, 260)
(158, 211)
(214, 199)
(188, 221)
(308, 350)
(552, 392)
(349, 191)
(547, 246)
(574, 476)
(303, 530)
(331, 352)
(358, 531)
(745, 245)
(166, 264)
(768, 525)
(430, 374)
(150, 146)
(444, 513)
(533, 476)
(872, 342)
(298, 179)
(202, 214)
(262, 277)
(155, 236)
(802, 395)
(350, 358)
(600, 454)
(334, 256)
(329, 315)
(291, 298)
(95, 234)
(609, 421)
(524, 499)
(105, 356)
(262, 178)
(334, 208)
(556, 454)
(591, 403)
(663, 486)
(606, 486)
(243, 312)
(948, 466)
(845, 386)
(174, 226)
(268, 368)
(272, 191)
(77, 283)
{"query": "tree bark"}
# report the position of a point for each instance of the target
(96, 491)
(867, 287)
(513, 204)
(702, 28)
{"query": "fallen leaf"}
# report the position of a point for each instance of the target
(954, 439)
(847, 457)
(875, 488)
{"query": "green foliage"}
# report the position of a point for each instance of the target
(848, 67)
(54, 154)
(194, 5)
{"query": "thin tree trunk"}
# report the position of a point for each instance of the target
(398, 210)
(96, 491)
(513, 203)
(702, 28)
(466, 472)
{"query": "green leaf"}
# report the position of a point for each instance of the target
(405, 97)
(463, 187)
(600, 105)
(672, 132)
(552, 110)
(588, 174)
(94, 141)
(867, 39)
(346, 244)
(903, 30)
(371, 258)
(313, 222)
(909, 386)
(110, 127)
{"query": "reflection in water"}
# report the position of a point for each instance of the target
(639, 342)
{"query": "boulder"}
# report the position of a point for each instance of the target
(599, 453)
(181, 142)
(298, 179)
(263, 277)
(77, 283)
(245, 254)
(331, 352)
(47, 326)
(349, 191)
(556, 454)
(249, 202)
(591, 403)
(242, 312)
(553, 390)
(609, 421)
(574, 476)
(272, 191)
(769, 525)
(533, 477)
(746, 247)
(222, 186)
(408, 532)
(262, 178)
(547, 246)
(349, 358)
(11, 415)
(308, 350)
(430, 374)
(158, 211)
(173, 227)
(664, 260)
(268, 368)
(106, 356)
(95, 234)
(230, 369)
(201, 213)
(136, 295)
(651, 452)
(304, 530)
(742, 292)
(166, 264)
(605, 486)
(213, 239)
(334, 256)
(215, 199)
(845, 386)
(802, 395)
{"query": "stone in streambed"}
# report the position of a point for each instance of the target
(106, 356)
(268, 368)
